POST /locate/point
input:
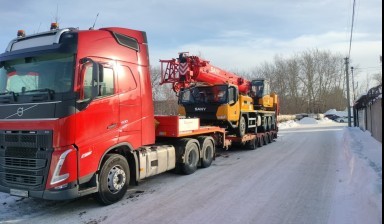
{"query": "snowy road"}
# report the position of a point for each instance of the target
(297, 179)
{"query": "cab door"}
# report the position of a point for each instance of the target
(97, 123)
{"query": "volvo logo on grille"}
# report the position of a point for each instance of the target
(20, 111)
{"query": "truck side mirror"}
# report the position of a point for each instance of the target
(93, 84)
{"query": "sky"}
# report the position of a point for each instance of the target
(233, 34)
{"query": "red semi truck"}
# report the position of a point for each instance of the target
(77, 117)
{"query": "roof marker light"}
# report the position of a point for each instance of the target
(20, 33)
(54, 26)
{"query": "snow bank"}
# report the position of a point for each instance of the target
(363, 188)
(304, 121)
(307, 120)
(287, 124)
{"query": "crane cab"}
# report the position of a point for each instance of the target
(261, 93)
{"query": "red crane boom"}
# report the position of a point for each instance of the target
(187, 70)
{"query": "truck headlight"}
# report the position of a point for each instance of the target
(56, 177)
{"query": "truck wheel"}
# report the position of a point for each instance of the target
(265, 140)
(207, 150)
(261, 141)
(190, 157)
(113, 180)
(269, 138)
(242, 127)
(252, 144)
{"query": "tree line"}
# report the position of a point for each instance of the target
(309, 82)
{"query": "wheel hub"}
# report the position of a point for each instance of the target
(116, 179)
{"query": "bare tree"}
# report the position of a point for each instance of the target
(378, 78)
(164, 97)
(311, 81)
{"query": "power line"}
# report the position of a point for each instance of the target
(353, 19)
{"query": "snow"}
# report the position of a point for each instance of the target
(304, 121)
(356, 195)
(360, 191)
(363, 185)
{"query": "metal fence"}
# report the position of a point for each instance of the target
(368, 112)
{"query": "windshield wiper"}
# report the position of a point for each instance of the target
(40, 90)
(14, 95)
(50, 92)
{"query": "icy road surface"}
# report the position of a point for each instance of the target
(313, 173)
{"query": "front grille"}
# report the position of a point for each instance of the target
(28, 138)
(24, 163)
(11, 138)
(20, 152)
(25, 158)
(24, 180)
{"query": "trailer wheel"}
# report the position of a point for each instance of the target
(113, 180)
(269, 138)
(261, 141)
(242, 127)
(190, 157)
(266, 141)
(207, 150)
(252, 144)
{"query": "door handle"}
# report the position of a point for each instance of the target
(111, 126)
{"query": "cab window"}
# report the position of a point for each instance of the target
(106, 85)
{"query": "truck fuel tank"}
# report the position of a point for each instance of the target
(156, 159)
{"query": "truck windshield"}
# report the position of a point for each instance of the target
(39, 73)
(258, 88)
(205, 94)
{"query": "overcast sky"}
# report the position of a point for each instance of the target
(232, 34)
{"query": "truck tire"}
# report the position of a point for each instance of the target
(252, 144)
(207, 150)
(242, 127)
(266, 139)
(190, 156)
(113, 180)
(261, 141)
(269, 136)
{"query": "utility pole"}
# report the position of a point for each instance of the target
(348, 97)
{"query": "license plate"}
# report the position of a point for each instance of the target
(20, 193)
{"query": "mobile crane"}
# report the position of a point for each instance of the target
(219, 97)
